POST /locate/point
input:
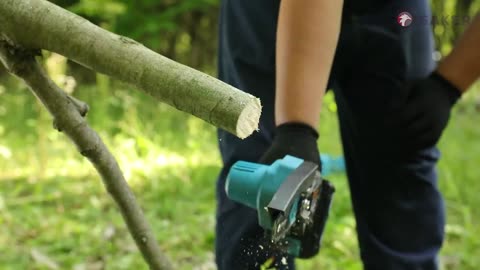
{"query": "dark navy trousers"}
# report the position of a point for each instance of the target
(398, 209)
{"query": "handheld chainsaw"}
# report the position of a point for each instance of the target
(291, 198)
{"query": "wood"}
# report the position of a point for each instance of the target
(39, 24)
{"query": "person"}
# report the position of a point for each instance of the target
(392, 109)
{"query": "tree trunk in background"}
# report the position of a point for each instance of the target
(195, 38)
(447, 34)
(462, 10)
(2, 71)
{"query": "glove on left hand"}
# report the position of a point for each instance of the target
(427, 111)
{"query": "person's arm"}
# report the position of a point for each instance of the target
(307, 36)
(462, 66)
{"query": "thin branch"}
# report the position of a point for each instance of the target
(68, 118)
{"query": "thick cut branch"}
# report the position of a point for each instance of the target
(41, 24)
(67, 115)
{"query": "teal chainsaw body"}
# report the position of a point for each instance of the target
(291, 199)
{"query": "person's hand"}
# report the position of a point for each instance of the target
(295, 139)
(427, 111)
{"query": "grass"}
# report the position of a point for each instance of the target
(54, 210)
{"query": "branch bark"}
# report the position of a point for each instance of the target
(68, 117)
(37, 24)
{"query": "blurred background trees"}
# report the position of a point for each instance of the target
(445, 35)
(181, 30)
(186, 30)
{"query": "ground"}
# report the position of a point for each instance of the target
(55, 213)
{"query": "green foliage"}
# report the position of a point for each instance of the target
(52, 201)
(448, 27)
(108, 10)
(59, 207)
(184, 30)
(152, 17)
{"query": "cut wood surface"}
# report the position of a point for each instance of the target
(39, 24)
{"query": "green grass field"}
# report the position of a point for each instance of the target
(54, 211)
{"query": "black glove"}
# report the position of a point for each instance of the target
(427, 111)
(295, 139)
(300, 140)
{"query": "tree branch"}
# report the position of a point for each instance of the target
(81, 106)
(67, 113)
(40, 24)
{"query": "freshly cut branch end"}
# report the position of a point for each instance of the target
(182, 87)
(248, 120)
